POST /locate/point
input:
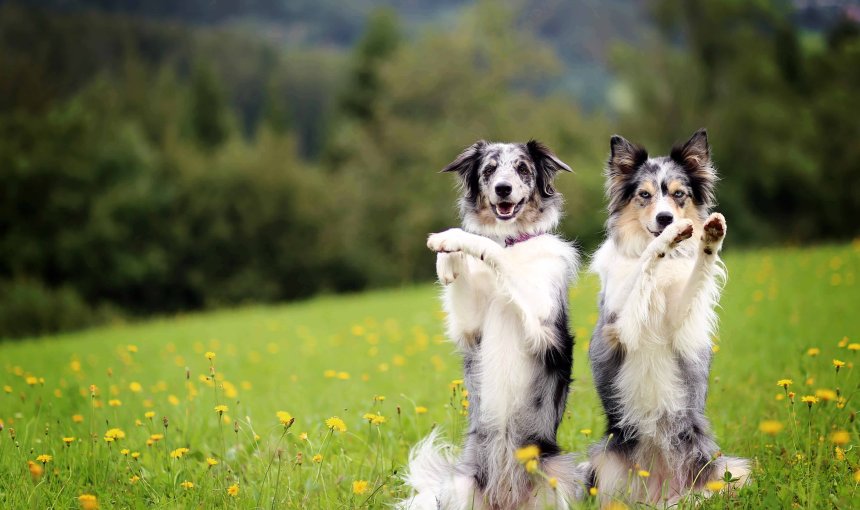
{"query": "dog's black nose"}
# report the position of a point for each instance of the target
(664, 219)
(503, 189)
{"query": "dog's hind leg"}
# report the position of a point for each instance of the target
(571, 477)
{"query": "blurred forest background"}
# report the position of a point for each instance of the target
(160, 156)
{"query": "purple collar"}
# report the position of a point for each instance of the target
(525, 236)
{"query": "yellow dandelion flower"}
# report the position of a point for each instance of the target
(114, 402)
(593, 491)
(369, 417)
(839, 453)
(210, 355)
(343, 376)
(378, 420)
(285, 418)
(857, 476)
(134, 479)
(843, 342)
(527, 453)
(643, 473)
(178, 453)
(187, 485)
(135, 455)
(813, 351)
(88, 502)
(553, 482)
(464, 403)
(135, 387)
(68, 440)
(131, 348)
(221, 409)
(318, 458)
(532, 466)
(7, 389)
(77, 418)
(585, 432)
(838, 364)
(114, 434)
(715, 485)
(233, 490)
(330, 374)
(44, 458)
(173, 400)
(35, 469)
(303, 436)
(420, 410)
(211, 462)
(771, 427)
(156, 437)
(825, 394)
(360, 487)
(809, 400)
(785, 383)
(854, 347)
(31, 381)
(335, 423)
(125, 451)
(840, 437)
(149, 414)
(456, 382)
(379, 398)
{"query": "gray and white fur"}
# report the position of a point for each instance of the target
(661, 278)
(506, 279)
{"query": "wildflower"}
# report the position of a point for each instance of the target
(335, 423)
(330, 374)
(420, 410)
(178, 453)
(585, 432)
(838, 364)
(360, 487)
(464, 403)
(379, 398)
(115, 434)
(135, 387)
(854, 347)
(7, 389)
(840, 437)
(156, 437)
(378, 420)
(343, 376)
(825, 394)
(125, 451)
(31, 381)
(221, 409)
(839, 452)
(643, 473)
(77, 418)
(303, 436)
(593, 491)
(532, 466)
(771, 427)
(318, 458)
(233, 490)
(456, 382)
(209, 355)
(88, 502)
(173, 400)
(135, 455)
(553, 482)
(285, 418)
(857, 476)
(715, 485)
(68, 440)
(809, 400)
(134, 479)
(187, 485)
(149, 414)
(840, 402)
(35, 470)
(813, 351)
(211, 462)
(527, 453)
(114, 402)
(791, 395)
(785, 383)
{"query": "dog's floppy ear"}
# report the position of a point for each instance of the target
(694, 156)
(547, 165)
(466, 166)
(624, 157)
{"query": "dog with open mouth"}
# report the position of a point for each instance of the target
(506, 278)
(651, 349)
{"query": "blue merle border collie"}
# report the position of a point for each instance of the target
(506, 278)
(661, 278)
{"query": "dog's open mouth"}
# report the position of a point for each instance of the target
(507, 210)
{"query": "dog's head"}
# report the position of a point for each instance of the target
(648, 194)
(507, 188)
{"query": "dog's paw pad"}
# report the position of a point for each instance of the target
(685, 231)
(715, 229)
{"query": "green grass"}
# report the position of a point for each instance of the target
(777, 304)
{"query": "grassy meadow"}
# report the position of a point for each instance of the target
(315, 404)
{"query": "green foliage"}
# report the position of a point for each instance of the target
(335, 356)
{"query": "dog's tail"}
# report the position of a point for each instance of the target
(572, 476)
(434, 478)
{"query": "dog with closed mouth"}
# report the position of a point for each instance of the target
(506, 279)
(661, 278)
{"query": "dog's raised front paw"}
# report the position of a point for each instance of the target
(449, 266)
(715, 230)
(672, 236)
(447, 241)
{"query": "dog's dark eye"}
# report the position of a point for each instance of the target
(523, 169)
(489, 169)
(679, 194)
(645, 195)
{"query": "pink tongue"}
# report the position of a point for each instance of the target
(505, 208)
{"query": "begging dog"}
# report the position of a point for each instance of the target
(506, 278)
(661, 278)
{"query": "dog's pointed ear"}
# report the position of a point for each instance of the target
(695, 152)
(624, 157)
(547, 165)
(694, 156)
(466, 160)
